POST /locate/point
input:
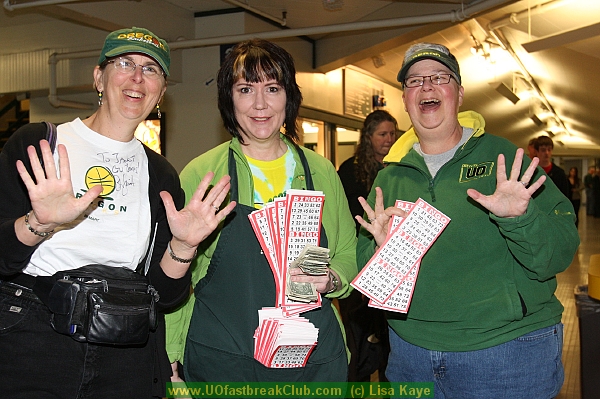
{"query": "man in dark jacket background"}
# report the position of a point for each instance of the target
(544, 146)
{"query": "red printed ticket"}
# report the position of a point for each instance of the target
(389, 277)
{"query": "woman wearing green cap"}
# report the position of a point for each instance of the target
(110, 201)
(483, 321)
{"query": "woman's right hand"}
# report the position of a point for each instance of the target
(379, 218)
(51, 194)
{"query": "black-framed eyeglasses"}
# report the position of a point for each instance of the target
(437, 79)
(125, 65)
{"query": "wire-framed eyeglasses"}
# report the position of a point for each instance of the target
(125, 65)
(437, 79)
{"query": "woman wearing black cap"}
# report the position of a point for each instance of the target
(483, 321)
(111, 201)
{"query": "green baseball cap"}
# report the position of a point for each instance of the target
(136, 40)
(426, 51)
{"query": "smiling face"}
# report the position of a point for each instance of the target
(259, 109)
(129, 97)
(433, 109)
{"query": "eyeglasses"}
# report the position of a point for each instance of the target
(437, 79)
(125, 65)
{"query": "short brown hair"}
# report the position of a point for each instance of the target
(543, 141)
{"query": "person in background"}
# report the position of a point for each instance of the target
(531, 151)
(596, 194)
(544, 147)
(377, 135)
(575, 188)
(212, 334)
(56, 214)
(589, 193)
(366, 327)
(483, 321)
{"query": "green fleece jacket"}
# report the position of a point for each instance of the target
(485, 280)
(337, 221)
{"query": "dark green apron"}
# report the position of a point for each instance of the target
(239, 282)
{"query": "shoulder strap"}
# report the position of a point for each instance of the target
(51, 135)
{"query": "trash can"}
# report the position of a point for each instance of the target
(588, 312)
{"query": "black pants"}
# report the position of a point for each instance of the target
(366, 336)
(38, 362)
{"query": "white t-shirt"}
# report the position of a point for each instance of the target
(115, 229)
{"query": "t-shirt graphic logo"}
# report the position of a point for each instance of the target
(475, 171)
(99, 175)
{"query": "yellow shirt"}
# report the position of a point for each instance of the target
(271, 178)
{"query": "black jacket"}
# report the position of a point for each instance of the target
(559, 177)
(14, 255)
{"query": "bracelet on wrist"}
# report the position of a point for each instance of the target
(177, 258)
(43, 234)
(335, 282)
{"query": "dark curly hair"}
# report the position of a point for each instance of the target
(258, 60)
(366, 166)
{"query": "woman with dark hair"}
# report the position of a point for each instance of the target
(366, 327)
(378, 134)
(213, 333)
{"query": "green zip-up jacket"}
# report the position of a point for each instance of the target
(485, 280)
(337, 221)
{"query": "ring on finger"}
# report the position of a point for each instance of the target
(523, 183)
(371, 220)
(216, 207)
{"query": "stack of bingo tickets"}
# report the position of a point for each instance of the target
(389, 278)
(283, 342)
(288, 230)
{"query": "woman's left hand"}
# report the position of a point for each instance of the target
(512, 195)
(201, 216)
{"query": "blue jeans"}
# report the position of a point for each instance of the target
(527, 367)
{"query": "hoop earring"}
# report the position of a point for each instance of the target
(158, 110)
(99, 98)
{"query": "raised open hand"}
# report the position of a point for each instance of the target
(379, 218)
(512, 195)
(201, 215)
(51, 194)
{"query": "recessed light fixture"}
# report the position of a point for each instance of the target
(505, 91)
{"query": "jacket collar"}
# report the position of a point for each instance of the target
(404, 144)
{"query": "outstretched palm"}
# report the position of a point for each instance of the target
(51, 194)
(512, 195)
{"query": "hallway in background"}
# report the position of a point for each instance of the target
(576, 274)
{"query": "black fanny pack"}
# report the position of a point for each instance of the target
(103, 305)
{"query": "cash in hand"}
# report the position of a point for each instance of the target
(312, 260)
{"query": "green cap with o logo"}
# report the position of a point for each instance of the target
(427, 51)
(136, 40)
